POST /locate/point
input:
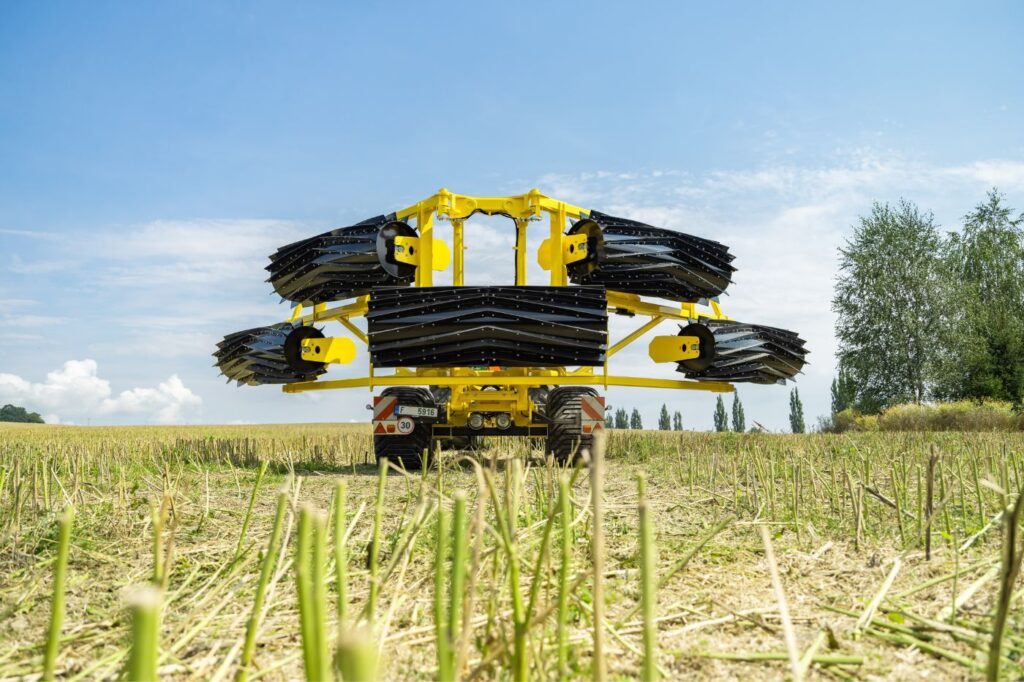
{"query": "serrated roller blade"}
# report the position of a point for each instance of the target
(632, 257)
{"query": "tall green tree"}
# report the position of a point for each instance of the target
(986, 261)
(634, 420)
(664, 420)
(889, 300)
(721, 418)
(844, 393)
(796, 412)
(13, 413)
(621, 419)
(677, 421)
(739, 419)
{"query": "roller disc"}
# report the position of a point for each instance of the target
(707, 347)
(293, 349)
(629, 256)
(750, 353)
(342, 263)
(502, 326)
(258, 356)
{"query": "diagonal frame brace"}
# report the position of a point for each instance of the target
(648, 326)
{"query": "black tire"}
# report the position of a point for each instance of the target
(563, 411)
(407, 451)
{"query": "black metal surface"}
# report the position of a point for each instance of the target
(257, 356)
(751, 353)
(342, 263)
(707, 347)
(626, 255)
(487, 326)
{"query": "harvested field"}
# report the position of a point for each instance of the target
(876, 587)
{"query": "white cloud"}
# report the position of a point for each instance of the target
(77, 390)
(28, 234)
(168, 403)
(33, 321)
(201, 252)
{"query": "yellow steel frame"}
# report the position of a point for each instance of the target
(511, 384)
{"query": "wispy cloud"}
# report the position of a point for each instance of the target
(28, 234)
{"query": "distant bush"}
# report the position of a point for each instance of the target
(954, 416)
(13, 413)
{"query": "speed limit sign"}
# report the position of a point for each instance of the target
(406, 425)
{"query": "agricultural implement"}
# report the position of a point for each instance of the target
(461, 362)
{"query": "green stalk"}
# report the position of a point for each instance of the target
(565, 511)
(378, 513)
(340, 554)
(460, 556)
(444, 649)
(821, 659)
(248, 512)
(145, 608)
(648, 588)
(977, 492)
(303, 581)
(520, 662)
(261, 589)
(319, 592)
(1012, 555)
(156, 514)
(60, 568)
(357, 655)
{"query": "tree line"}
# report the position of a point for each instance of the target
(924, 315)
(13, 413)
(623, 419)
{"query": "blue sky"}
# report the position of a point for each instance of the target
(151, 156)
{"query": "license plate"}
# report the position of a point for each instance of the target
(416, 411)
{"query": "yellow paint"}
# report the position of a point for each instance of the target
(356, 331)
(521, 224)
(674, 348)
(459, 250)
(407, 250)
(338, 350)
(425, 225)
(654, 322)
(524, 381)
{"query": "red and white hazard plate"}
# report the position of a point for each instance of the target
(385, 421)
(591, 413)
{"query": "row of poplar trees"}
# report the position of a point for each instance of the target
(924, 314)
(623, 420)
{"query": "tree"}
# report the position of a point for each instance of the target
(844, 393)
(677, 421)
(987, 308)
(621, 419)
(664, 420)
(12, 413)
(739, 420)
(635, 421)
(796, 413)
(721, 418)
(889, 299)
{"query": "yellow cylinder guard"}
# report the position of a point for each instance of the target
(674, 348)
(338, 350)
(407, 250)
